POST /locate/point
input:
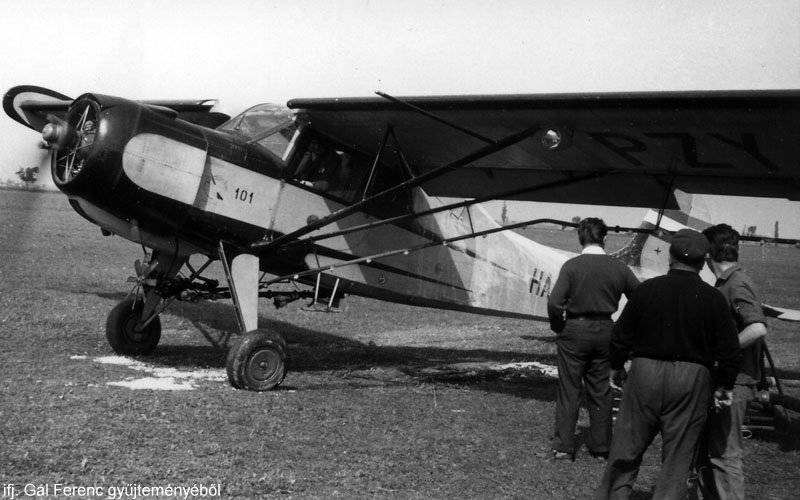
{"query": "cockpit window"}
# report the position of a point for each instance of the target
(343, 173)
(270, 125)
(325, 168)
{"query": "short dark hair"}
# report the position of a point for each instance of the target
(724, 243)
(592, 230)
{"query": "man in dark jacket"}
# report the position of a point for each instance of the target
(675, 328)
(585, 295)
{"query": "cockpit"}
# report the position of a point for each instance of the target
(269, 125)
(313, 160)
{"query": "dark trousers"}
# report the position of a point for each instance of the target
(726, 447)
(670, 396)
(583, 358)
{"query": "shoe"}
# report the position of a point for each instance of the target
(563, 455)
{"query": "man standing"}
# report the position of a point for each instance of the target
(675, 328)
(725, 446)
(585, 295)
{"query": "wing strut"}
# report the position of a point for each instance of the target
(438, 118)
(416, 181)
(445, 208)
(423, 246)
(668, 190)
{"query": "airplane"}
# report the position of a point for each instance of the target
(380, 196)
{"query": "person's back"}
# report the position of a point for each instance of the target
(585, 295)
(677, 318)
(595, 283)
(674, 330)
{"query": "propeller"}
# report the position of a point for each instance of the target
(70, 140)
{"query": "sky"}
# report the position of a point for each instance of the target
(246, 52)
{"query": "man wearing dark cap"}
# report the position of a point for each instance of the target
(725, 445)
(585, 295)
(674, 329)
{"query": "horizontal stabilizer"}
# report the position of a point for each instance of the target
(781, 313)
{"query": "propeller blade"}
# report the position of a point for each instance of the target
(149, 269)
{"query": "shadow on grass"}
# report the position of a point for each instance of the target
(550, 339)
(312, 351)
(786, 374)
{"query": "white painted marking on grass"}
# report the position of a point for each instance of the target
(548, 370)
(155, 383)
(160, 378)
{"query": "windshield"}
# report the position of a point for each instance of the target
(269, 125)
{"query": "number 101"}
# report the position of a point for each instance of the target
(244, 195)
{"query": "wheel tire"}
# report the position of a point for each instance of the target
(121, 333)
(258, 361)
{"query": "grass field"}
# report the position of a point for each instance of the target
(382, 400)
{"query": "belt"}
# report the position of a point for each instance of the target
(588, 317)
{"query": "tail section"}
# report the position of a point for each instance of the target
(648, 252)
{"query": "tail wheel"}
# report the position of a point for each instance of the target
(258, 361)
(123, 333)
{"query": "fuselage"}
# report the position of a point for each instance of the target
(179, 188)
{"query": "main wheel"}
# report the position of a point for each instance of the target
(122, 334)
(258, 361)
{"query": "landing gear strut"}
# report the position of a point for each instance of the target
(258, 361)
(133, 327)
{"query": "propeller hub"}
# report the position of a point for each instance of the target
(51, 133)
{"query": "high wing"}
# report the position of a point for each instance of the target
(31, 106)
(608, 149)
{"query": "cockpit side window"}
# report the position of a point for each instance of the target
(341, 173)
(332, 170)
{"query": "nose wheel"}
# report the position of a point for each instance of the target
(125, 333)
(258, 361)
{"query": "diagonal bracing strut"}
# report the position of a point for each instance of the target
(416, 181)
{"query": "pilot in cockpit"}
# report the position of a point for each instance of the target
(318, 165)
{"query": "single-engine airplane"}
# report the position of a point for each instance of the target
(350, 195)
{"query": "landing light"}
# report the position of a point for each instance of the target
(551, 139)
(556, 138)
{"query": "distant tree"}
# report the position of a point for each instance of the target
(751, 230)
(504, 215)
(28, 175)
(575, 220)
(776, 233)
